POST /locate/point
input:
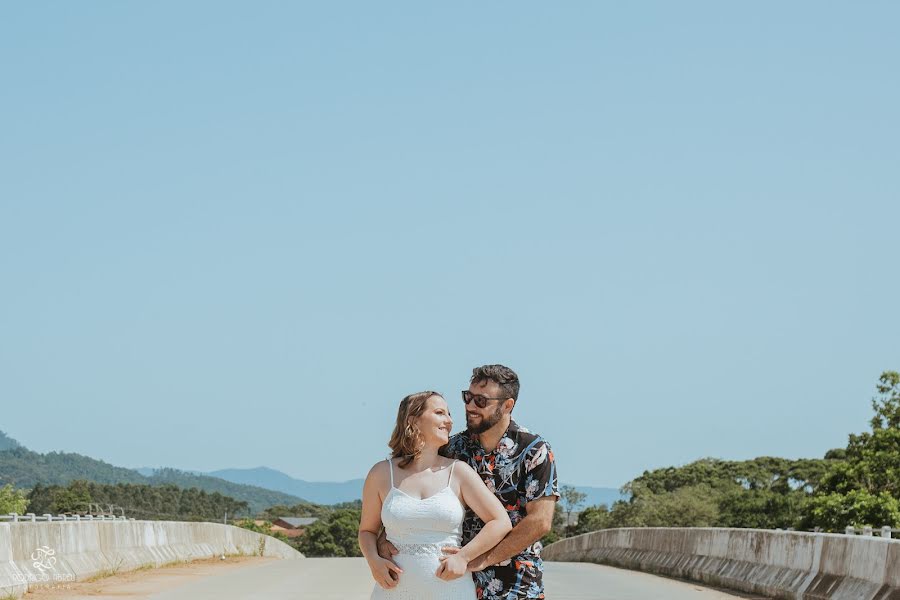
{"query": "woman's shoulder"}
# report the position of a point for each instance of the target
(379, 471)
(461, 467)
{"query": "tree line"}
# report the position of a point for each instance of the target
(854, 486)
(24, 468)
(166, 502)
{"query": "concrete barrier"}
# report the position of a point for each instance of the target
(778, 564)
(41, 554)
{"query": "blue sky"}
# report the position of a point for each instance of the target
(236, 234)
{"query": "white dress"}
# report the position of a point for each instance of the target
(419, 528)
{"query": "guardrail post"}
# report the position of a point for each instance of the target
(850, 530)
(15, 517)
(32, 516)
(886, 531)
(867, 531)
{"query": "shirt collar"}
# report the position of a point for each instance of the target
(510, 432)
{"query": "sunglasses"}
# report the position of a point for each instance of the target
(480, 401)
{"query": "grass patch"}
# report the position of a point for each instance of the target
(107, 572)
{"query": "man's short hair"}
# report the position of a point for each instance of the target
(505, 377)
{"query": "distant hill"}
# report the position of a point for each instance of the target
(24, 468)
(7, 443)
(323, 492)
(257, 497)
(261, 487)
(320, 492)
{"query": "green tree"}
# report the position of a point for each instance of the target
(571, 500)
(39, 499)
(12, 500)
(863, 489)
(690, 506)
(334, 535)
(591, 518)
(835, 511)
(759, 508)
(72, 499)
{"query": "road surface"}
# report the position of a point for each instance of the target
(349, 579)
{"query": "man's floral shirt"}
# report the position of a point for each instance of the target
(519, 470)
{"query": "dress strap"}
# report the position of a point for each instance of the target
(391, 470)
(450, 479)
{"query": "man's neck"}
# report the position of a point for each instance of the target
(490, 438)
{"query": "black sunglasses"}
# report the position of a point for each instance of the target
(480, 401)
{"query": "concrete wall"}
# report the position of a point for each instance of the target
(795, 565)
(84, 549)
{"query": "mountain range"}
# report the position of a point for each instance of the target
(260, 487)
(323, 492)
(24, 468)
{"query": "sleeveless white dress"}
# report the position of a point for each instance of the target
(419, 528)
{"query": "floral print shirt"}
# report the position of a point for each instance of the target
(519, 470)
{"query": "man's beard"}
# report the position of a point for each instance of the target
(486, 422)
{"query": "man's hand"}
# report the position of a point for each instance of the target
(386, 549)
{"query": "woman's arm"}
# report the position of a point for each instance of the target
(485, 504)
(385, 572)
(530, 529)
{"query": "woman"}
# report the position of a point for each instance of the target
(419, 496)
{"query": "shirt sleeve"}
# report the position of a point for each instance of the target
(540, 472)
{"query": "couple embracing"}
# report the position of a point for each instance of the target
(462, 514)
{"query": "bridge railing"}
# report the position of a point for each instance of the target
(886, 532)
(33, 518)
(773, 564)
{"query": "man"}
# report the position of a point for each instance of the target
(518, 466)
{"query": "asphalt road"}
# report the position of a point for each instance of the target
(348, 579)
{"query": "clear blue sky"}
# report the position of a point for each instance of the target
(236, 234)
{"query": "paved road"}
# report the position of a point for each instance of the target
(348, 579)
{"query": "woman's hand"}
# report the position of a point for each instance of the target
(452, 567)
(385, 572)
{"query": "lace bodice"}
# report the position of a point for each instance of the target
(435, 520)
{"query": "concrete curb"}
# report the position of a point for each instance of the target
(41, 554)
(778, 564)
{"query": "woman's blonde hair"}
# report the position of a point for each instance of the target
(406, 441)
